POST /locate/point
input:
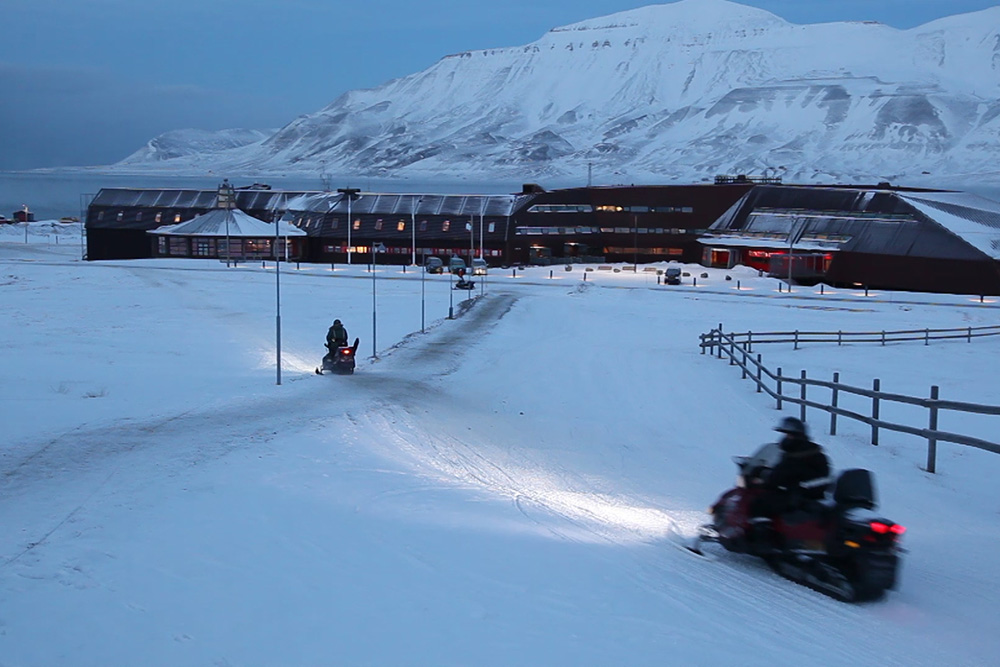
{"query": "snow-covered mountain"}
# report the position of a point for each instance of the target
(675, 91)
(192, 143)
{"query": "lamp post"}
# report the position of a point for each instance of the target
(375, 248)
(351, 194)
(451, 295)
(277, 291)
(423, 276)
(413, 229)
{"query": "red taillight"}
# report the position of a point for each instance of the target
(883, 528)
(347, 351)
(879, 527)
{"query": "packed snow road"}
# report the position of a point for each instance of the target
(497, 490)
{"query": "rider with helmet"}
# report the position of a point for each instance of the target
(801, 474)
(336, 336)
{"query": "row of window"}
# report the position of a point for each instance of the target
(407, 250)
(668, 252)
(606, 208)
(159, 217)
(570, 231)
(380, 224)
(184, 246)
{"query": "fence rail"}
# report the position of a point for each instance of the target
(737, 347)
(750, 338)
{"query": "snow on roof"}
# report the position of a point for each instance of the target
(974, 219)
(227, 222)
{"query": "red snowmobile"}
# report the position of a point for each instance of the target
(837, 546)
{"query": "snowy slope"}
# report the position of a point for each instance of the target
(683, 90)
(494, 491)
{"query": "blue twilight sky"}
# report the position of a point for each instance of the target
(86, 82)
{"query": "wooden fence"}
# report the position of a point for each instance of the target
(737, 347)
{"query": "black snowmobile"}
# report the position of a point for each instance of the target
(339, 359)
(836, 546)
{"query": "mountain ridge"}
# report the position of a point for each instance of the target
(668, 92)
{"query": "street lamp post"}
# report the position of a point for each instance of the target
(277, 292)
(351, 194)
(423, 276)
(375, 248)
(413, 229)
(451, 295)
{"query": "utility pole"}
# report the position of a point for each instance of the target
(351, 194)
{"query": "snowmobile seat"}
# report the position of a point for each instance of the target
(855, 488)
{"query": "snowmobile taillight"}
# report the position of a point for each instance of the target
(883, 528)
(346, 351)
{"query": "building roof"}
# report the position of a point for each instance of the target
(227, 222)
(973, 218)
(367, 203)
(878, 220)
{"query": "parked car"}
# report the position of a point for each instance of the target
(479, 267)
(434, 265)
(456, 264)
(672, 276)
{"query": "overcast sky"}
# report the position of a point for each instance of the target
(86, 82)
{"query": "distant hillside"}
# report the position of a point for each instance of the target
(677, 91)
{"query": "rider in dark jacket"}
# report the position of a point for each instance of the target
(336, 336)
(803, 473)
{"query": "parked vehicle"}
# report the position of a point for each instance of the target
(672, 276)
(456, 264)
(434, 265)
(479, 267)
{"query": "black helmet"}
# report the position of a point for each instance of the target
(792, 426)
(336, 322)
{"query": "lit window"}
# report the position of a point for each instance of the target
(158, 216)
(401, 226)
(445, 225)
(177, 217)
(491, 227)
(357, 224)
(378, 225)
(120, 215)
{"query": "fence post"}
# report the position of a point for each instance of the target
(932, 426)
(876, 383)
(802, 395)
(749, 341)
(927, 336)
(758, 373)
(702, 336)
(719, 351)
(969, 339)
(883, 337)
(833, 403)
(779, 387)
(840, 337)
(744, 375)
(796, 339)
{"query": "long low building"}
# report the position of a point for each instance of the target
(879, 236)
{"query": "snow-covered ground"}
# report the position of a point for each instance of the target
(495, 491)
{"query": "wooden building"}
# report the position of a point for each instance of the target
(878, 236)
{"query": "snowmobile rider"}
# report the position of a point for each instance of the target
(802, 474)
(336, 336)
